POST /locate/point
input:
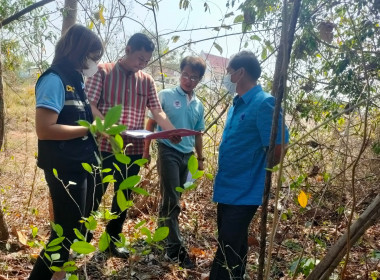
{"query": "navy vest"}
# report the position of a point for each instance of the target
(68, 155)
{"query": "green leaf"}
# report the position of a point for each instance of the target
(239, 18)
(91, 223)
(179, 189)
(106, 170)
(112, 116)
(79, 234)
(57, 228)
(53, 248)
(108, 216)
(141, 162)
(187, 185)
(99, 124)
(160, 234)
(264, 54)
(255, 37)
(229, 14)
(122, 201)
(87, 167)
(116, 166)
(56, 241)
(34, 231)
(69, 263)
(148, 234)
(175, 39)
(84, 123)
(108, 179)
(55, 173)
(55, 257)
(209, 176)
(73, 277)
(140, 191)
(129, 182)
(82, 247)
(70, 269)
(140, 224)
(119, 140)
(123, 158)
(192, 164)
(47, 257)
(114, 145)
(218, 47)
(198, 174)
(55, 268)
(113, 130)
(104, 241)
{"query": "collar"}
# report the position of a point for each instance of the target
(183, 93)
(247, 97)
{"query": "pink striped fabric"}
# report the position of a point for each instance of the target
(112, 85)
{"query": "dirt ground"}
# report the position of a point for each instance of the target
(24, 198)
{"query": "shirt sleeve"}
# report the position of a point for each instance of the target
(94, 86)
(264, 123)
(153, 101)
(161, 100)
(50, 93)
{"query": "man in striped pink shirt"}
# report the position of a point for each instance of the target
(124, 83)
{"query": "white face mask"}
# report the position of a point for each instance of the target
(92, 68)
(230, 86)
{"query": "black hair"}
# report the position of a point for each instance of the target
(248, 61)
(196, 63)
(140, 41)
(75, 46)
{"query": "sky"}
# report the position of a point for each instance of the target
(171, 18)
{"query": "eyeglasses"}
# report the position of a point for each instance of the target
(193, 79)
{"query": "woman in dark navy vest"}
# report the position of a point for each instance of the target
(63, 145)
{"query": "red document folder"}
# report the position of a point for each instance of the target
(162, 134)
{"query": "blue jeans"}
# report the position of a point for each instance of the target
(172, 169)
(231, 257)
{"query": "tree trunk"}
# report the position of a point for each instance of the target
(278, 89)
(4, 233)
(69, 14)
(333, 257)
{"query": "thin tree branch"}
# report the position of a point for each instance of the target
(19, 14)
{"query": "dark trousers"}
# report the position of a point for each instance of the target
(115, 226)
(172, 169)
(69, 208)
(231, 257)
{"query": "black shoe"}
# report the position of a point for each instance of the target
(116, 252)
(182, 258)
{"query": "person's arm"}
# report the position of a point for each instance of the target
(48, 129)
(95, 111)
(162, 119)
(199, 150)
(149, 126)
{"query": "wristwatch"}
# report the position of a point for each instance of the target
(201, 159)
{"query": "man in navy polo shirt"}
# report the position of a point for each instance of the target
(184, 110)
(240, 180)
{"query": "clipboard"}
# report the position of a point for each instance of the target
(146, 134)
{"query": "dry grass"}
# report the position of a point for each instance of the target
(24, 197)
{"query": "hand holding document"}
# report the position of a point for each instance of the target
(146, 134)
